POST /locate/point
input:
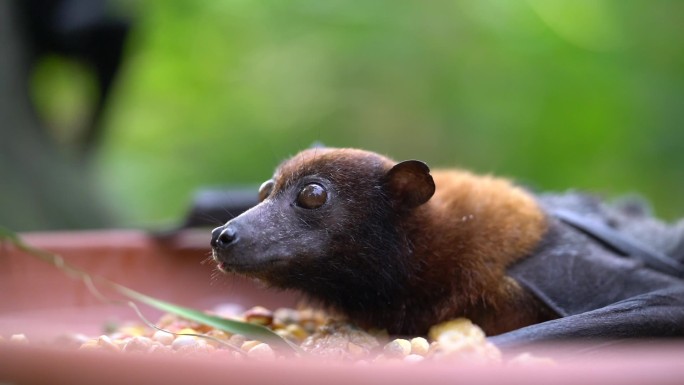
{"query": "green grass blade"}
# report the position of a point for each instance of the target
(252, 331)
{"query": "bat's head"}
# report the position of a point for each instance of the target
(327, 220)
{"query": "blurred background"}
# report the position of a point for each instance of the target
(113, 113)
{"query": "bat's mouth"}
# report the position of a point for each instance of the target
(224, 267)
(248, 267)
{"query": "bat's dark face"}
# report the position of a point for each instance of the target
(326, 221)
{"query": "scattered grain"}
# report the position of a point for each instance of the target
(259, 315)
(420, 346)
(261, 351)
(182, 341)
(163, 337)
(398, 348)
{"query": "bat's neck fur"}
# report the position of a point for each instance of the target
(459, 245)
(471, 230)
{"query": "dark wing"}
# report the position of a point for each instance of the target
(598, 292)
(620, 243)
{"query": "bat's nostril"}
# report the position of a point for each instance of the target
(222, 237)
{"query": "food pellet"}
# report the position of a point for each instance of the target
(398, 348)
(248, 345)
(163, 337)
(237, 340)
(138, 344)
(259, 315)
(182, 341)
(420, 346)
(106, 343)
(261, 352)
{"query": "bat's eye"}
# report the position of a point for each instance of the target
(312, 196)
(265, 190)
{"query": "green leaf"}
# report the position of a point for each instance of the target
(252, 331)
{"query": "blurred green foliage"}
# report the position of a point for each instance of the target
(582, 94)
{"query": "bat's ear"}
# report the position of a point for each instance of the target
(409, 183)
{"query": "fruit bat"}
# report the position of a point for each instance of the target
(392, 245)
